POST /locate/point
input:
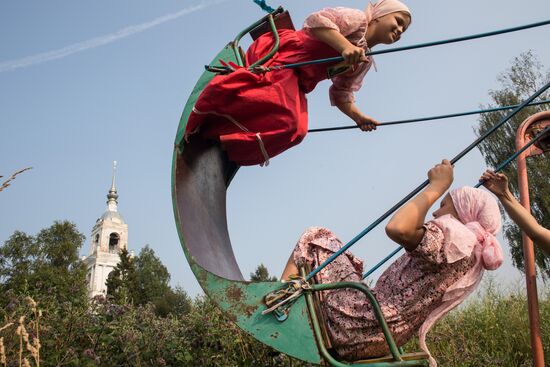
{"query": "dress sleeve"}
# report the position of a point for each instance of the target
(317, 244)
(344, 20)
(344, 85)
(431, 248)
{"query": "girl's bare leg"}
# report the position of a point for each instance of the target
(290, 268)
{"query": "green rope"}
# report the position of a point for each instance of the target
(262, 4)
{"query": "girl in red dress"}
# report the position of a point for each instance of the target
(258, 116)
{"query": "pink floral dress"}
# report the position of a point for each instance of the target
(408, 291)
(352, 23)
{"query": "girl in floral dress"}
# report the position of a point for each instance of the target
(256, 116)
(444, 261)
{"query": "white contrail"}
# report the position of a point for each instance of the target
(98, 41)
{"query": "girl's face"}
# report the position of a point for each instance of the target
(446, 207)
(388, 29)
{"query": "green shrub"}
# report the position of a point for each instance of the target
(491, 329)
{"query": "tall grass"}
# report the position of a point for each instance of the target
(491, 329)
(26, 333)
(7, 183)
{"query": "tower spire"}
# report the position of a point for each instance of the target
(112, 196)
(109, 237)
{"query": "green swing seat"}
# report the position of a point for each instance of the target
(201, 175)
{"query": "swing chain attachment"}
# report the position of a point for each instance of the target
(259, 69)
(224, 67)
(280, 301)
(228, 69)
(217, 69)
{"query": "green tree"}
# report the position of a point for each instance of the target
(522, 79)
(261, 274)
(122, 283)
(152, 276)
(174, 301)
(144, 279)
(44, 266)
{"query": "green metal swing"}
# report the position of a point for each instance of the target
(201, 174)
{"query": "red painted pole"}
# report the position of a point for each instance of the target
(528, 249)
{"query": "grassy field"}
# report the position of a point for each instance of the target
(491, 329)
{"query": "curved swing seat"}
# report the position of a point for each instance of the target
(201, 174)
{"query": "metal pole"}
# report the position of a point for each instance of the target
(529, 258)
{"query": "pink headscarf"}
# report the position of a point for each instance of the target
(385, 7)
(480, 220)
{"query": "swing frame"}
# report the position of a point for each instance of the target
(396, 357)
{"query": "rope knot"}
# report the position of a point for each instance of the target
(262, 4)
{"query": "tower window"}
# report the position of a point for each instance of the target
(113, 243)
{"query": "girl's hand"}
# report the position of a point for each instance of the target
(441, 175)
(497, 183)
(365, 123)
(353, 55)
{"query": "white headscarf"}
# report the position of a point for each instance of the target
(385, 7)
(480, 220)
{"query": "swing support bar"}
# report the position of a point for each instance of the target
(270, 19)
(541, 119)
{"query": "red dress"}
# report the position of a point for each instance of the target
(258, 116)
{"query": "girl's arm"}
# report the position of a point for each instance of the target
(352, 54)
(498, 185)
(406, 226)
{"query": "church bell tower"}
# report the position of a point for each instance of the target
(109, 237)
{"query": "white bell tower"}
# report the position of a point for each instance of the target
(109, 237)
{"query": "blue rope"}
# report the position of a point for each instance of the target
(262, 4)
(431, 118)
(499, 168)
(414, 47)
(425, 183)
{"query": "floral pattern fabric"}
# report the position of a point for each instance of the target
(351, 23)
(407, 291)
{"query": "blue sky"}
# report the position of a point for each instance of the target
(86, 83)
